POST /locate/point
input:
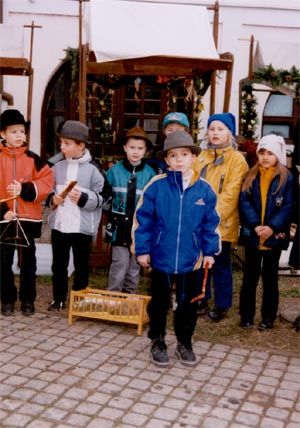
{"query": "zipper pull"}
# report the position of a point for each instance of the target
(221, 183)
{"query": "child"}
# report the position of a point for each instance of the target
(75, 217)
(224, 168)
(25, 181)
(127, 179)
(174, 231)
(266, 208)
(175, 121)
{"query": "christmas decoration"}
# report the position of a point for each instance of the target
(277, 79)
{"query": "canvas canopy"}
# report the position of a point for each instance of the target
(127, 29)
(11, 51)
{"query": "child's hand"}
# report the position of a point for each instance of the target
(57, 200)
(208, 260)
(14, 188)
(144, 260)
(74, 195)
(264, 232)
(9, 215)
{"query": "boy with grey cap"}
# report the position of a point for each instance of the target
(76, 205)
(175, 231)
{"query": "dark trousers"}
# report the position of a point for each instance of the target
(185, 316)
(264, 262)
(27, 262)
(62, 243)
(221, 273)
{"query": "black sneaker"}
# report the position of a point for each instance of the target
(158, 353)
(7, 309)
(246, 323)
(56, 306)
(265, 325)
(202, 308)
(185, 354)
(27, 308)
(217, 314)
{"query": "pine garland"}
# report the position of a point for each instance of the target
(275, 78)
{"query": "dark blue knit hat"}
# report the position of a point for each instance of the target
(227, 118)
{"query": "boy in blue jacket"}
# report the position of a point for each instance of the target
(175, 231)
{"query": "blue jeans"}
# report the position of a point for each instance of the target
(221, 273)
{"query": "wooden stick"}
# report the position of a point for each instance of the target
(8, 199)
(202, 295)
(66, 190)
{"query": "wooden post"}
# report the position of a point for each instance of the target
(216, 40)
(250, 70)
(82, 70)
(30, 77)
(228, 82)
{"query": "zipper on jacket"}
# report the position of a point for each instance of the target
(179, 224)
(15, 202)
(221, 183)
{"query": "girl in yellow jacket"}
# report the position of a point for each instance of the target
(224, 167)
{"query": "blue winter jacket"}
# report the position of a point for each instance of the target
(278, 213)
(176, 227)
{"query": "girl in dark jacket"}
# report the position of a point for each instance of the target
(266, 207)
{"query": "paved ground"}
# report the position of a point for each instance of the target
(98, 375)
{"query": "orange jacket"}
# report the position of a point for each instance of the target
(37, 181)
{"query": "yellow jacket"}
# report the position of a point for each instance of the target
(224, 169)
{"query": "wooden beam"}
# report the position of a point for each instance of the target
(15, 66)
(155, 65)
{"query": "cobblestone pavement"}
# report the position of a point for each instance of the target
(98, 375)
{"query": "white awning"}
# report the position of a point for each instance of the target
(11, 41)
(122, 29)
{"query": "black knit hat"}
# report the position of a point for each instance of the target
(12, 117)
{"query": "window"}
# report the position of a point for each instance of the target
(112, 107)
(281, 116)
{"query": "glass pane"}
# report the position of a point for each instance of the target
(52, 143)
(130, 122)
(57, 100)
(152, 93)
(152, 108)
(279, 105)
(283, 130)
(130, 92)
(132, 106)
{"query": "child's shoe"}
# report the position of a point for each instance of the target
(217, 314)
(265, 325)
(158, 353)
(202, 308)
(7, 309)
(185, 354)
(56, 306)
(27, 308)
(246, 323)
